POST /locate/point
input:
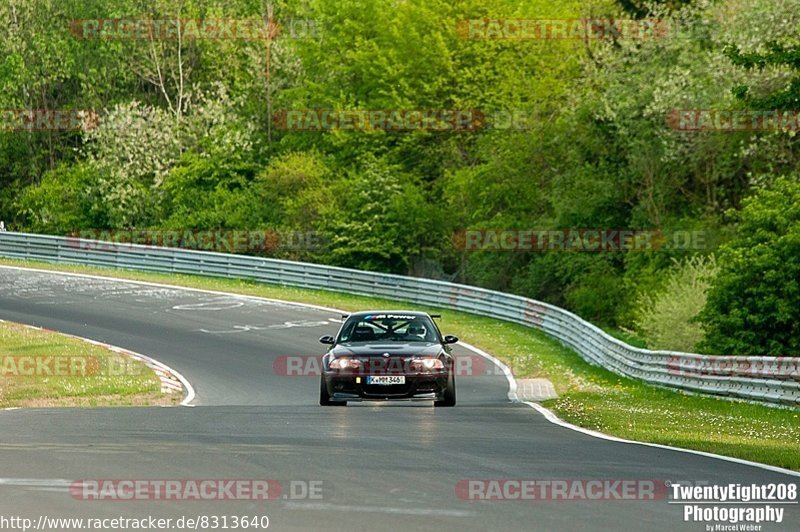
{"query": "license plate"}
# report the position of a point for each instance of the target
(386, 379)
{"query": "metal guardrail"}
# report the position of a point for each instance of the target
(770, 380)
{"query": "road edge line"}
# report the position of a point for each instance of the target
(512, 383)
(162, 371)
(551, 416)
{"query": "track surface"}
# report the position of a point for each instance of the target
(383, 467)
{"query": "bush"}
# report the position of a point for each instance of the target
(754, 305)
(666, 319)
(65, 201)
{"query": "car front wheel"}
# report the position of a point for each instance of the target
(324, 396)
(449, 396)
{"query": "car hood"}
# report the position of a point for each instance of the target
(393, 348)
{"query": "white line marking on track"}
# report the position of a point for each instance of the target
(36, 483)
(550, 416)
(512, 383)
(284, 325)
(210, 305)
(175, 287)
(160, 368)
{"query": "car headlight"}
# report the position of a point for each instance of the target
(426, 364)
(345, 363)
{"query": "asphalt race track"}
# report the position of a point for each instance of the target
(380, 466)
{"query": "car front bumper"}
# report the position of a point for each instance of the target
(420, 387)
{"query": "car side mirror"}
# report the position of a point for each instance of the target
(450, 339)
(327, 340)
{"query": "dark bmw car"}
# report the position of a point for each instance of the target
(385, 355)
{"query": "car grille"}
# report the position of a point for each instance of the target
(379, 365)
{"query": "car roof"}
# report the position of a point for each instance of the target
(368, 312)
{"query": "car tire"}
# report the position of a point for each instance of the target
(449, 396)
(324, 396)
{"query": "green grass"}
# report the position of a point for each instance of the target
(629, 337)
(589, 396)
(100, 377)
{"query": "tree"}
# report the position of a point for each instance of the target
(377, 219)
(666, 319)
(753, 307)
(65, 201)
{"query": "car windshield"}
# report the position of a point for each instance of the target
(389, 327)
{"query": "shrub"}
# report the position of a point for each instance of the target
(666, 318)
(754, 305)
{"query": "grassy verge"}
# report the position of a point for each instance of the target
(629, 337)
(590, 397)
(45, 369)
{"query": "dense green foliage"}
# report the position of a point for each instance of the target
(754, 305)
(666, 319)
(187, 138)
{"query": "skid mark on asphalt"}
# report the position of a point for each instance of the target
(46, 288)
(285, 325)
(327, 507)
(254, 449)
(217, 304)
(214, 305)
